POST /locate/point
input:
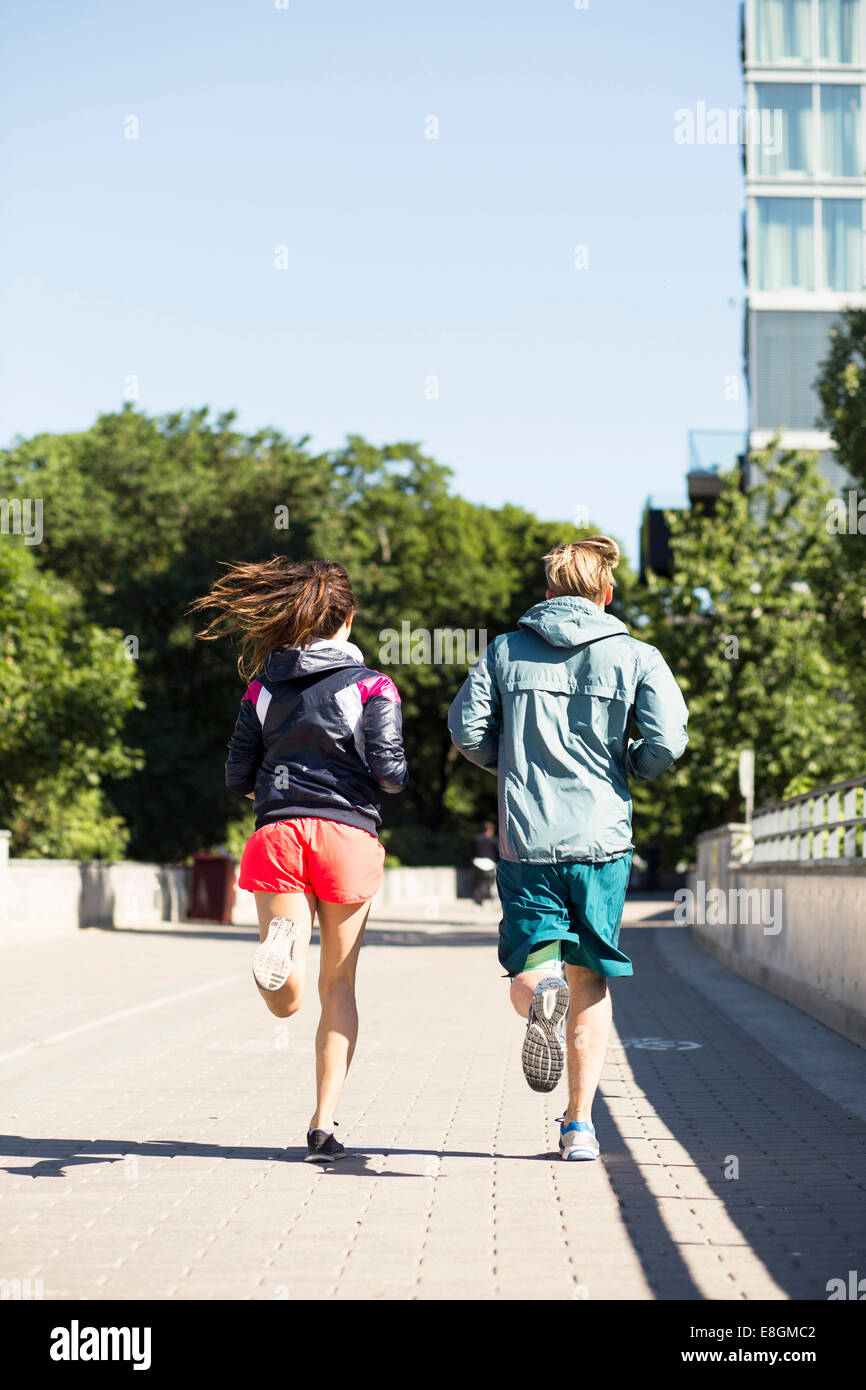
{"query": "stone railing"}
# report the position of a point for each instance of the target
(826, 823)
(785, 905)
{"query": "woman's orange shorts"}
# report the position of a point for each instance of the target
(339, 863)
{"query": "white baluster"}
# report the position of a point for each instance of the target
(804, 810)
(834, 835)
(792, 846)
(849, 811)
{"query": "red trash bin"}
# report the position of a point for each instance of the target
(212, 895)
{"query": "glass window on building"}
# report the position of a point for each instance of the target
(783, 29)
(842, 234)
(837, 474)
(840, 30)
(785, 144)
(786, 348)
(786, 248)
(840, 131)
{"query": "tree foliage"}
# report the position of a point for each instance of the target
(762, 622)
(138, 515)
(841, 388)
(754, 622)
(66, 687)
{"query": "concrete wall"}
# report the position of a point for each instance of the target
(43, 896)
(817, 958)
(424, 891)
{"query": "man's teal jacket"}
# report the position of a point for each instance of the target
(548, 709)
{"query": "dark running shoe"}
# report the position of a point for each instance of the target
(322, 1147)
(544, 1044)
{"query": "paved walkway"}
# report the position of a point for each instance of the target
(148, 1097)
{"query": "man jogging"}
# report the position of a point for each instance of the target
(548, 709)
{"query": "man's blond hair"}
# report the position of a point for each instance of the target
(582, 568)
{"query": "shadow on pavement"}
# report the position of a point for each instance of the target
(410, 931)
(663, 1266)
(53, 1156)
(799, 1200)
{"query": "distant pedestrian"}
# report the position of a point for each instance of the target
(485, 852)
(548, 708)
(653, 860)
(318, 737)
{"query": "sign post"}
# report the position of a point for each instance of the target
(747, 780)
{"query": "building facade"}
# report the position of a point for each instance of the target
(804, 64)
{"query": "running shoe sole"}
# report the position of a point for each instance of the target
(544, 1047)
(272, 962)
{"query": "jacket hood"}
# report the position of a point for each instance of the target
(569, 621)
(292, 663)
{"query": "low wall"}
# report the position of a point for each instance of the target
(416, 890)
(45, 896)
(51, 895)
(814, 953)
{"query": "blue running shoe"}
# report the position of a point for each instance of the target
(577, 1141)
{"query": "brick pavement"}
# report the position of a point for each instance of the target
(143, 1150)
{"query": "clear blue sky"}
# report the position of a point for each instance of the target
(408, 257)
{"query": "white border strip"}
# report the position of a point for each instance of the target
(111, 1018)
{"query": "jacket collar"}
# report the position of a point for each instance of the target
(348, 647)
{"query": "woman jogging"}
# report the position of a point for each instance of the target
(317, 738)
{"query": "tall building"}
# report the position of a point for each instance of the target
(711, 453)
(803, 64)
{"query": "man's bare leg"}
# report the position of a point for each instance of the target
(523, 988)
(540, 995)
(587, 1034)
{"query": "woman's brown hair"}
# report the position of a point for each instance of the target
(276, 603)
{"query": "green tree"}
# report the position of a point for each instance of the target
(841, 387)
(138, 513)
(750, 623)
(66, 687)
(425, 561)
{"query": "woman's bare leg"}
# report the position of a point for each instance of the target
(341, 930)
(300, 908)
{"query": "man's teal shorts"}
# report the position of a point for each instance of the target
(579, 905)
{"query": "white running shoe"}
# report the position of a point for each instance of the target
(544, 1044)
(272, 962)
